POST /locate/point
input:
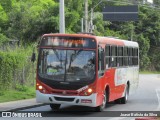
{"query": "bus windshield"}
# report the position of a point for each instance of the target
(67, 65)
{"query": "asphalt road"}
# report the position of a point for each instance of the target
(147, 98)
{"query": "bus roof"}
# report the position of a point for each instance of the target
(116, 41)
(100, 39)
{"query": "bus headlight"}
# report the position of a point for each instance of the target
(40, 87)
(90, 90)
(87, 92)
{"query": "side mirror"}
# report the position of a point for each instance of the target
(33, 57)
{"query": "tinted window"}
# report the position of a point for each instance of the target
(107, 50)
(120, 51)
(125, 51)
(114, 51)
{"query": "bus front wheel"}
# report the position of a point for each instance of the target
(55, 106)
(103, 105)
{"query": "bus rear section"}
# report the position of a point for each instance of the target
(73, 69)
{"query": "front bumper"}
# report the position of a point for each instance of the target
(71, 100)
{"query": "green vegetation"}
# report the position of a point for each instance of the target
(17, 74)
(149, 72)
(17, 94)
(15, 68)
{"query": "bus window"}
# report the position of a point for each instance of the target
(120, 56)
(101, 60)
(120, 51)
(130, 56)
(107, 50)
(135, 56)
(125, 56)
(108, 53)
(114, 56)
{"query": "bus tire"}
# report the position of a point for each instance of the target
(55, 107)
(102, 107)
(125, 98)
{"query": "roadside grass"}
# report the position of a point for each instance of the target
(13, 95)
(149, 72)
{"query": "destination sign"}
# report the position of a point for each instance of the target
(77, 42)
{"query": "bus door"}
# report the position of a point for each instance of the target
(101, 77)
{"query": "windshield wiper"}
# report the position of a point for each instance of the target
(58, 57)
(65, 67)
(76, 54)
(56, 53)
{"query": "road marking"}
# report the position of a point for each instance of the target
(158, 96)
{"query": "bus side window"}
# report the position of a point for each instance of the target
(114, 56)
(130, 56)
(101, 59)
(125, 56)
(120, 55)
(107, 56)
(135, 56)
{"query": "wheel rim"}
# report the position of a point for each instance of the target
(104, 101)
(126, 96)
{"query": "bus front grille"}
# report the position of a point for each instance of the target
(64, 99)
(67, 93)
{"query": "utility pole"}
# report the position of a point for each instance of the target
(86, 15)
(132, 31)
(82, 25)
(62, 17)
(91, 23)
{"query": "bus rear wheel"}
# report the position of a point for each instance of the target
(103, 105)
(55, 107)
(125, 98)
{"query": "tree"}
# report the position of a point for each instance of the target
(30, 19)
(157, 2)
